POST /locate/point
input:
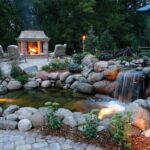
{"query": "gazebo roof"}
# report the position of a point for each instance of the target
(33, 35)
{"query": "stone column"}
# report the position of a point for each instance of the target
(39, 47)
(45, 47)
(24, 47)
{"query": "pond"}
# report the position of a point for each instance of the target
(36, 98)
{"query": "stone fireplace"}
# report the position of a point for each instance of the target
(33, 43)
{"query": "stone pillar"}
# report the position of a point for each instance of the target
(24, 47)
(39, 47)
(45, 47)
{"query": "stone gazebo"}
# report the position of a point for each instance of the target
(33, 43)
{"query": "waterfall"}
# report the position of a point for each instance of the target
(130, 86)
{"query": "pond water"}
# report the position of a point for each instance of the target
(36, 98)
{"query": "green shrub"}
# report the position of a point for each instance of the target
(53, 120)
(90, 128)
(125, 58)
(120, 129)
(15, 71)
(74, 68)
(77, 58)
(58, 64)
(23, 78)
(46, 67)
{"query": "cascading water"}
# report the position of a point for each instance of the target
(130, 86)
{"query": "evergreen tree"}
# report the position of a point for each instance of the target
(106, 41)
(91, 41)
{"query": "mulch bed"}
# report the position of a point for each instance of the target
(104, 138)
(140, 143)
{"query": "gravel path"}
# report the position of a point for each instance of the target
(15, 140)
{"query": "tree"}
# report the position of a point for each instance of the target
(106, 41)
(65, 21)
(9, 23)
(91, 41)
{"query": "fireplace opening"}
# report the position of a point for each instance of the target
(35, 48)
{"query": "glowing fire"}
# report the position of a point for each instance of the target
(33, 48)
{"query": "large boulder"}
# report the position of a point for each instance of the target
(54, 75)
(29, 109)
(25, 112)
(74, 85)
(13, 117)
(13, 52)
(146, 133)
(111, 74)
(63, 112)
(85, 88)
(31, 85)
(146, 70)
(46, 84)
(69, 120)
(3, 90)
(105, 87)
(95, 77)
(14, 85)
(89, 60)
(39, 119)
(24, 125)
(70, 79)
(11, 109)
(64, 75)
(60, 50)
(100, 66)
(139, 116)
(142, 103)
(8, 125)
(42, 74)
(31, 69)
(86, 71)
(82, 80)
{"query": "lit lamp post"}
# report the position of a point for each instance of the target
(83, 42)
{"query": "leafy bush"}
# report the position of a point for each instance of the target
(74, 68)
(53, 120)
(23, 78)
(91, 125)
(125, 58)
(46, 67)
(106, 41)
(59, 64)
(120, 128)
(77, 58)
(15, 71)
